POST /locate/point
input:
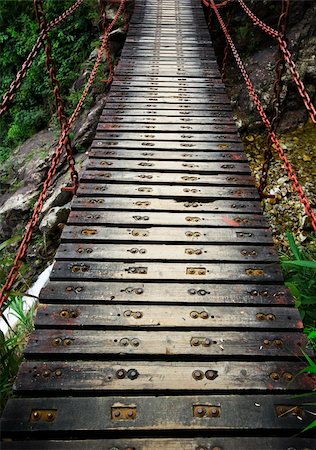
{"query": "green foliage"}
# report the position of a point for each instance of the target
(300, 277)
(32, 107)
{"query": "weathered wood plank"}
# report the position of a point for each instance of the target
(117, 176)
(164, 218)
(227, 443)
(167, 234)
(161, 293)
(93, 414)
(167, 145)
(188, 167)
(152, 136)
(144, 204)
(194, 192)
(161, 127)
(108, 115)
(197, 344)
(164, 376)
(122, 252)
(171, 316)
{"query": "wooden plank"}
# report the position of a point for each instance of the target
(93, 414)
(147, 109)
(108, 115)
(171, 316)
(144, 204)
(171, 156)
(166, 234)
(99, 376)
(227, 443)
(163, 136)
(209, 253)
(177, 191)
(187, 128)
(167, 145)
(115, 176)
(239, 272)
(197, 344)
(164, 218)
(163, 293)
(187, 167)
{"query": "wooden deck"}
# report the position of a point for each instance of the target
(165, 324)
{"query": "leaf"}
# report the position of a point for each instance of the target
(304, 263)
(293, 246)
(310, 426)
(9, 242)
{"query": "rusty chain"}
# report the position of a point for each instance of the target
(277, 146)
(20, 256)
(226, 50)
(15, 85)
(59, 101)
(288, 58)
(276, 103)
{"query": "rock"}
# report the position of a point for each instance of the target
(55, 216)
(15, 211)
(86, 125)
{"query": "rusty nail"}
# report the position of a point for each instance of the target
(260, 316)
(67, 341)
(56, 342)
(206, 342)
(204, 315)
(288, 376)
(266, 342)
(194, 314)
(195, 342)
(211, 374)
(36, 415)
(50, 416)
(278, 342)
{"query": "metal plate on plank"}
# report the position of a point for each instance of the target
(99, 376)
(227, 443)
(161, 293)
(170, 316)
(152, 252)
(177, 191)
(143, 204)
(240, 272)
(167, 218)
(194, 235)
(65, 343)
(204, 412)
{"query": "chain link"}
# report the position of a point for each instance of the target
(18, 261)
(288, 58)
(59, 101)
(290, 171)
(226, 50)
(15, 85)
(276, 103)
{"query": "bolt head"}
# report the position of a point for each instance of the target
(195, 342)
(198, 374)
(121, 373)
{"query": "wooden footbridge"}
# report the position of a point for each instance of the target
(165, 324)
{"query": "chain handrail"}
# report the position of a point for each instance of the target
(18, 261)
(287, 165)
(16, 83)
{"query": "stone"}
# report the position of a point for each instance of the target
(55, 217)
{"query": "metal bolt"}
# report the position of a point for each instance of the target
(135, 342)
(264, 293)
(132, 374)
(200, 411)
(124, 342)
(288, 376)
(58, 373)
(116, 413)
(138, 314)
(56, 342)
(254, 293)
(121, 373)
(64, 313)
(202, 292)
(270, 317)
(46, 374)
(214, 412)
(130, 413)
(36, 415)
(198, 374)
(211, 374)
(194, 314)
(275, 376)
(128, 313)
(278, 342)
(192, 291)
(139, 291)
(266, 342)
(204, 315)
(260, 316)
(50, 416)
(195, 342)
(206, 342)
(67, 341)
